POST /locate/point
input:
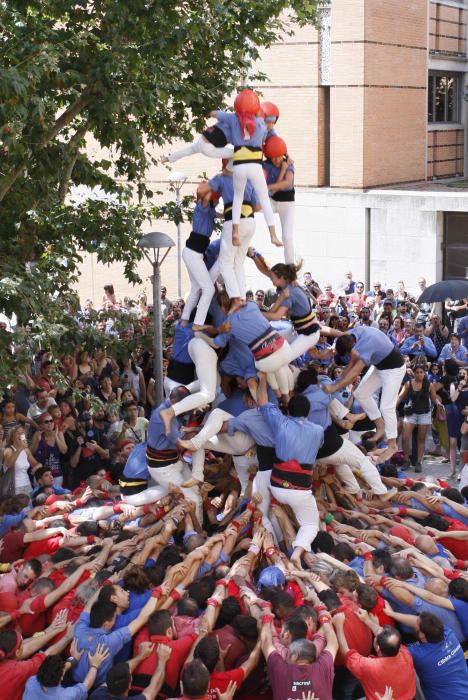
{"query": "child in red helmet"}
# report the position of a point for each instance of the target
(279, 173)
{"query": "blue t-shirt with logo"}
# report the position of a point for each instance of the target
(441, 668)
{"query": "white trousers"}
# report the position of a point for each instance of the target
(201, 286)
(286, 212)
(389, 380)
(202, 145)
(276, 365)
(305, 509)
(177, 473)
(208, 439)
(232, 258)
(205, 361)
(253, 172)
(351, 456)
(261, 485)
(149, 495)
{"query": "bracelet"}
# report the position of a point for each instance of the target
(367, 556)
(266, 619)
(156, 592)
(213, 602)
(254, 548)
(175, 595)
(403, 511)
(96, 668)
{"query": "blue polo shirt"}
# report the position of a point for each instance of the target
(372, 345)
(135, 466)
(230, 120)
(441, 668)
(203, 219)
(296, 438)
(34, 691)
(88, 639)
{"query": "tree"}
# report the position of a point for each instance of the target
(127, 75)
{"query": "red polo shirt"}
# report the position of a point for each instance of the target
(377, 672)
(459, 548)
(14, 674)
(144, 671)
(219, 680)
(358, 635)
(13, 546)
(48, 546)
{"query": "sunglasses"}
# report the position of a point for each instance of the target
(49, 420)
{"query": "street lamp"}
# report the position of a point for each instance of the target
(155, 247)
(177, 180)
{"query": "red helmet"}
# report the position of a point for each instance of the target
(247, 102)
(270, 110)
(275, 147)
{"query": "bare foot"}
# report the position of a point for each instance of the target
(235, 235)
(167, 414)
(236, 304)
(191, 482)
(385, 497)
(355, 417)
(276, 241)
(381, 456)
(296, 560)
(186, 445)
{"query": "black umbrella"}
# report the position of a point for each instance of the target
(448, 289)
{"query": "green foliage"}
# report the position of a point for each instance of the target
(120, 75)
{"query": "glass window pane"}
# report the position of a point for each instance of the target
(450, 105)
(430, 99)
(440, 92)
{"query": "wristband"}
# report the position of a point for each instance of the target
(316, 484)
(323, 619)
(251, 507)
(402, 511)
(357, 540)
(222, 582)
(73, 662)
(409, 482)
(156, 592)
(340, 509)
(251, 477)
(90, 539)
(330, 470)
(175, 595)
(78, 504)
(328, 518)
(147, 508)
(116, 508)
(329, 528)
(269, 552)
(264, 604)
(254, 548)
(451, 575)
(460, 564)
(236, 524)
(383, 580)
(213, 602)
(319, 607)
(266, 619)
(367, 556)
(396, 518)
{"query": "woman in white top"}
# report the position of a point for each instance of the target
(18, 457)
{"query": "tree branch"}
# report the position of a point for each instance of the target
(73, 148)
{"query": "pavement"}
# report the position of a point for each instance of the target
(433, 468)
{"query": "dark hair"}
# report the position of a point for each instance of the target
(343, 551)
(323, 542)
(283, 600)
(101, 613)
(453, 494)
(402, 568)
(464, 492)
(306, 378)
(299, 406)
(207, 650)
(330, 599)
(389, 641)
(435, 521)
(62, 554)
(89, 527)
(367, 596)
(296, 627)
(51, 670)
(458, 588)
(432, 627)
(229, 609)
(245, 626)
(136, 580)
(39, 473)
(159, 622)
(14, 504)
(106, 593)
(381, 557)
(196, 679)
(287, 272)
(201, 590)
(118, 679)
(188, 607)
(345, 344)
(109, 288)
(451, 368)
(8, 641)
(35, 565)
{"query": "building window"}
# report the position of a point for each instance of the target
(444, 97)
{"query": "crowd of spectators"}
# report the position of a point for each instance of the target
(103, 599)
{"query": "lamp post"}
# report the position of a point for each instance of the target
(155, 247)
(177, 181)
